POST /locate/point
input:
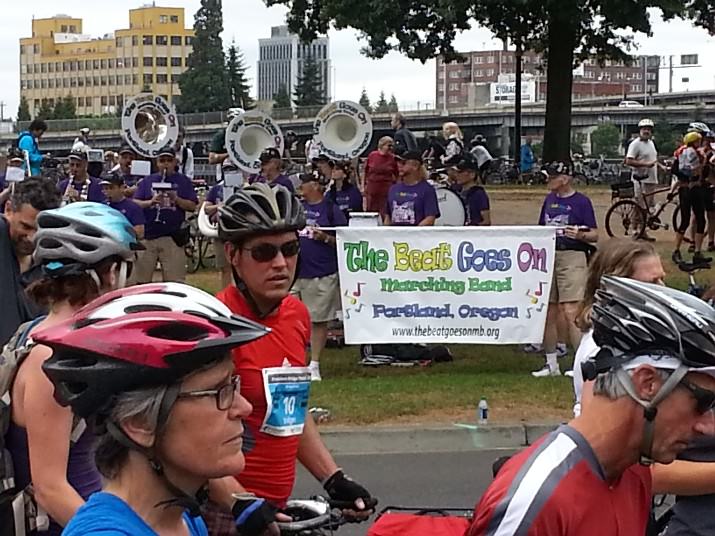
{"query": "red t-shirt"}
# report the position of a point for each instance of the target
(270, 464)
(556, 487)
(380, 168)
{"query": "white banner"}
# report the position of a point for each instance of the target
(485, 285)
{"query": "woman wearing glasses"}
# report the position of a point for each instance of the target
(380, 174)
(150, 368)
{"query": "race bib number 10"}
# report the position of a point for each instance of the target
(287, 390)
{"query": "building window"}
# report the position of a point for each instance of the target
(112, 80)
(454, 99)
(162, 79)
(36, 49)
(174, 19)
(620, 76)
(104, 80)
(88, 81)
(104, 101)
(96, 81)
(454, 74)
(73, 82)
(148, 62)
(22, 49)
(135, 79)
(110, 63)
(23, 69)
(148, 79)
(689, 59)
(95, 64)
(479, 60)
(454, 86)
(188, 40)
(163, 19)
(51, 83)
(148, 40)
(176, 40)
(490, 59)
(161, 62)
(478, 73)
(162, 40)
(128, 79)
(80, 81)
(490, 72)
(43, 83)
(118, 42)
(176, 62)
(651, 76)
(135, 40)
(636, 87)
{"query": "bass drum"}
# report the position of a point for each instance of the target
(451, 208)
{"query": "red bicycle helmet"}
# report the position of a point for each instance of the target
(142, 336)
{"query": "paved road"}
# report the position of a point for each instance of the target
(421, 480)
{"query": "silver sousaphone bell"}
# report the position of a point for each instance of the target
(343, 130)
(149, 123)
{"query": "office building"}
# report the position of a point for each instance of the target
(60, 60)
(457, 83)
(281, 60)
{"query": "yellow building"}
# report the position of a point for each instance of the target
(100, 73)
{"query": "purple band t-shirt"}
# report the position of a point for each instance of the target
(409, 204)
(130, 209)
(318, 259)
(475, 200)
(170, 218)
(280, 179)
(94, 192)
(575, 209)
(348, 198)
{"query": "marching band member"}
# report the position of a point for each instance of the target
(412, 201)
(271, 169)
(80, 186)
(343, 191)
(114, 187)
(127, 155)
(474, 197)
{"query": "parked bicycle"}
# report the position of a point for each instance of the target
(198, 250)
(627, 217)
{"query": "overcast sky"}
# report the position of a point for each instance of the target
(248, 20)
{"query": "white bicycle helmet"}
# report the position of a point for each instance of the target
(646, 123)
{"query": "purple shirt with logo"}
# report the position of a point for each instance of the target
(575, 209)
(170, 219)
(475, 201)
(348, 198)
(318, 259)
(215, 194)
(130, 209)
(409, 204)
(280, 179)
(94, 193)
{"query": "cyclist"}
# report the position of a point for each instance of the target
(260, 226)
(85, 250)
(642, 156)
(654, 392)
(692, 195)
(707, 153)
(149, 368)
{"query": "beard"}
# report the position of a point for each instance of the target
(23, 247)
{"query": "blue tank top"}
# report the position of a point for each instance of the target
(82, 472)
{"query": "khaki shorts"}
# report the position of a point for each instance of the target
(321, 295)
(219, 253)
(570, 272)
(640, 188)
(171, 257)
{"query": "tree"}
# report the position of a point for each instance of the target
(365, 101)
(392, 106)
(23, 110)
(45, 111)
(281, 100)
(237, 80)
(666, 138)
(578, 140)
(382, 107)
(566, 30)
(605, 140)
(65, 108)
(204, 85)
(309, 89)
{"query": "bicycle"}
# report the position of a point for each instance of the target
(317, 516)
(626, 217)
(198, 249)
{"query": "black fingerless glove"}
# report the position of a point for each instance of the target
(344, 490)
(253, 515)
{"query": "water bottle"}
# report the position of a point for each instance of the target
(483, 412)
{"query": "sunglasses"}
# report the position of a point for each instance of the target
(267, 252)
(224, 395)
(704, 398)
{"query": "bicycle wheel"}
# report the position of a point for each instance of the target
(625, 218)
(677, 217)
(580, 178)
(191, 250)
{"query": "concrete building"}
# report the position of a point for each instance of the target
(281, 59)
(60, 60)
(455, 82)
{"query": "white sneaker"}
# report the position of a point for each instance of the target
(569, 373)
(532, 348)
(546, 371)
(562, 350)
(315, 373)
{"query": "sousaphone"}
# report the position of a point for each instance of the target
(248, 135)
(149, 123)
(342, 130)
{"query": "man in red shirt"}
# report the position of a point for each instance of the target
(380, 174)
(259, 226)
(654, 392)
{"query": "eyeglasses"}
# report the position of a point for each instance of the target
(704, 398)
(267, 252)
(224, 395)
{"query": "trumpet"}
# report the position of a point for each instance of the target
(68, 197)
(161, 202)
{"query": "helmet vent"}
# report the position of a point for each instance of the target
(146, 308)
(178, 332)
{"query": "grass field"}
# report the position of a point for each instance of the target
(449, 392)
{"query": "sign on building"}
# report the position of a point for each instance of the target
(505, 92)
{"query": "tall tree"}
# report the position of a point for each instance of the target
(309, 89)
(237, 80)
(382, 107)
(365, 100)
(205, 85)
(392, 105)
(45, 111)
(65, 108)
(281, 100)
(566, 30)
(23, 110)
(605, 140)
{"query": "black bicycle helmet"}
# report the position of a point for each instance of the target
(259, 209)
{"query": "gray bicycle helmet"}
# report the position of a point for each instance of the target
(699, 127)
(83, 234)
(259, 209)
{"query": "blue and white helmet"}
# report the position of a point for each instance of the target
(83, 234)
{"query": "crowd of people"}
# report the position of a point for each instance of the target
(142, 407)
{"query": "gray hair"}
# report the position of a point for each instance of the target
(607, 384)
(142, 404)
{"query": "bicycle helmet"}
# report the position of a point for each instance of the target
(259, 209)
(80, 235)
(646, 123)
(692, 137)
(638, 323)
(698, 127)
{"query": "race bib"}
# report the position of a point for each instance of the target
(287, 390)
(403, 213)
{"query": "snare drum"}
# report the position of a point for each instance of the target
(451, 208)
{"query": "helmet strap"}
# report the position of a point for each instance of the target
(93, 274)
(650, 409)
(123, 271)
